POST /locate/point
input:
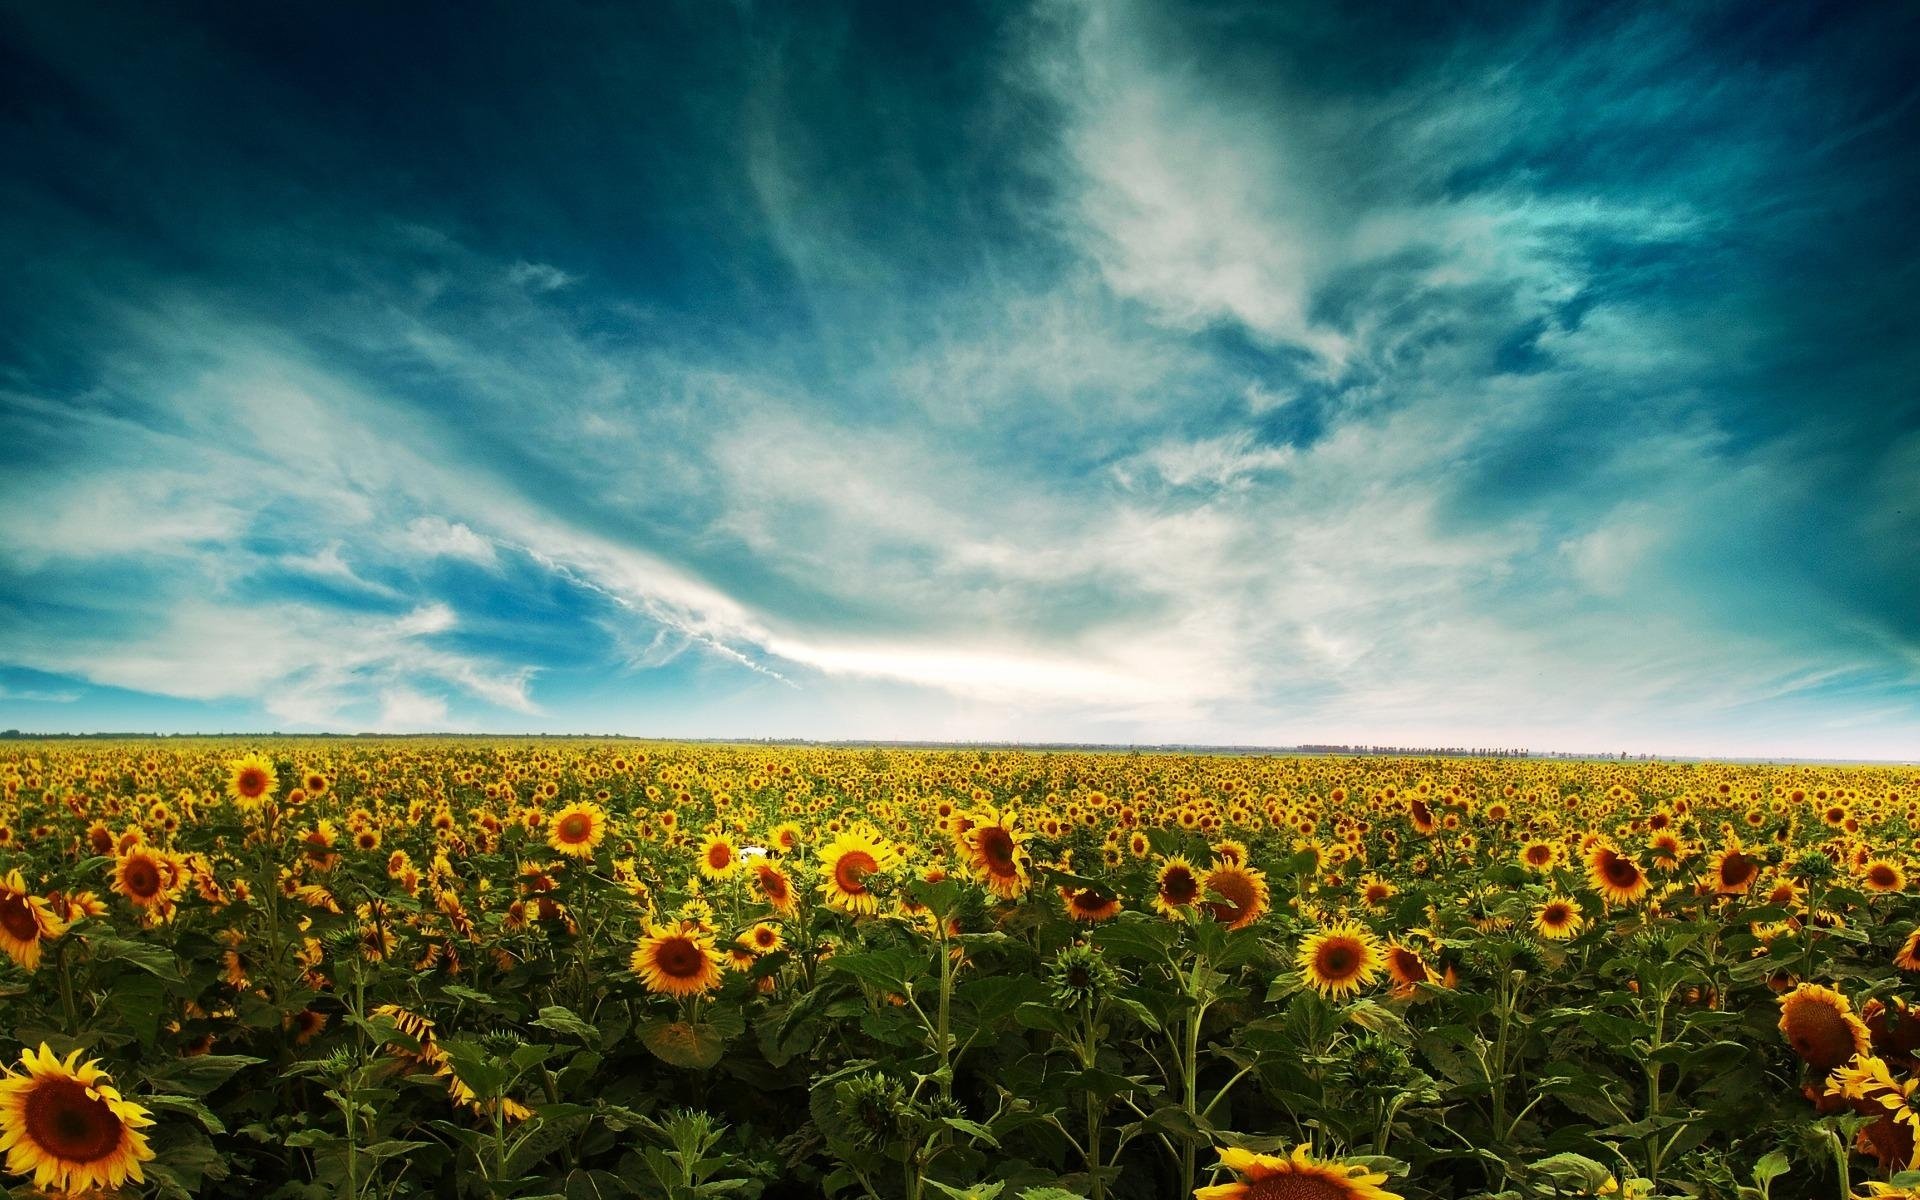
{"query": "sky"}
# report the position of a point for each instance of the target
(1436, 375)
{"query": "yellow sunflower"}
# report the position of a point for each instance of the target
(251, 780)
(1734, 870)
(25, 921)
(1340, 959)
(1907, 958)
(1883, 875)
(1558, 918)
(847, 863)
(1092, 905)
(63, 1122)
(1617, 878)
(1539, 857)
(1297, 1177)
(145, 877)
(1176, 887)
(1242, 893)
(719, 857)
(1821, 1027)
(577, 830)
(776, 887)
(674, 960)
(995, 855)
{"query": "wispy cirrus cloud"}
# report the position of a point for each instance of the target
(1134, 376)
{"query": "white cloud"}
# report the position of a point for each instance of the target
(538, 276)
(437, 537)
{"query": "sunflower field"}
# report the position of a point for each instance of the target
(593, 969)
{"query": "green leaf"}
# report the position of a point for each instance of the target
(891, 970)
(699, 1047)
(564, 1020)
(200, 1074)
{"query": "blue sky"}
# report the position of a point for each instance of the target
(1458, 374)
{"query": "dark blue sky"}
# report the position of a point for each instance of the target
(1450, 374)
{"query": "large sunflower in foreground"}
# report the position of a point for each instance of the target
(1821, 1027)
(1340, 959)
(1297, 1177)
(1241, 892)
(846, 863)
(251, 779)
(1617, 878)
(25, 921)
(677, 961)
(63, 1122)
(577, 830)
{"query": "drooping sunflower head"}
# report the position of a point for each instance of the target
(1734, 870)
(64, 1123)
(577, 830)
(1406, 966)
(251, 780)
(1300, 1176)
(1821, 1027)
(775, 886)
(677, 960)
(1090, 904)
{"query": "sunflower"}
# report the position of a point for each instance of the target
(846, 863)
(1090, 904)
(1883, 875)
(144, 877)
(1298, 1177)
(785, 838)
(1558, 918)
(1406, 967)
(1176, 887)
(251, 780)
(1617, 878)
(577, 830)
(1907, 958)
(763, 938)
(1375, 892)
(64, 1122)
(775, 886)
(1733, 870)
(1339, 959)
(1821, 1027)
(719, 857)
(1242, 892)
(676, 961)
(995, 855)
(1539, 857)
(25, 921)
